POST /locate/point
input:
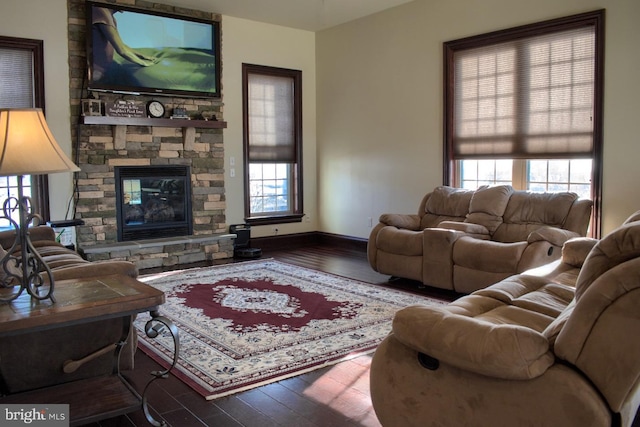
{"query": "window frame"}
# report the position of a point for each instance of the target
(595, 19)
(39, 183)
(519, 177)
(296, 212)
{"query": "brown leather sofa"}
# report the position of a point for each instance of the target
(464, 240)
(63, 262)
(553, 347)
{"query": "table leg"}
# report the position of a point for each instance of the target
(153, 328)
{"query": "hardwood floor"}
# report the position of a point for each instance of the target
(336, 396)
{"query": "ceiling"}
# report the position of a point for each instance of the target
(311, 15)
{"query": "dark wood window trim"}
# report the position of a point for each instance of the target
(297, 198)
(36, 47)
(595, 19)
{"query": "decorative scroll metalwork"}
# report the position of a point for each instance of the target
(152, 329)
(22, 266)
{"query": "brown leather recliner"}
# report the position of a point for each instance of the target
(530, 350)
(464, 240)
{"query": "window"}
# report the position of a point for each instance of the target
(538, 175)
(524, 106)
(272, 103)
(22, 86)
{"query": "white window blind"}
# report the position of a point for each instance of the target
(271, 117)
(529, 98)
(16, 78)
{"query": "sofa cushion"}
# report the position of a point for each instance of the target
(409, 222)
(486, 255)
(553, 330)
(488, 204)
(449, 201)
(527, 211)
(399, 241)
(446, 204)
(476, 230)
(532, 293)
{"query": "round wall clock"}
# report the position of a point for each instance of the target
(155, 109)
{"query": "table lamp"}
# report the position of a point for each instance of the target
(27, 147)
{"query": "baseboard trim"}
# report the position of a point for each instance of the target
(297, 240)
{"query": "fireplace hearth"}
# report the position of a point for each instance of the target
(153, 202)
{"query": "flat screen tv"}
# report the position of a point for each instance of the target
(148, 52)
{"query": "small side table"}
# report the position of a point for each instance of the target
(86, 302)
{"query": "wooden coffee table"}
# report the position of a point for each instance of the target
(79, 302)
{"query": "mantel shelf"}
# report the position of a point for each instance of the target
(144, 121)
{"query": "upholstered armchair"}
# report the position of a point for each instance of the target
(553, 347)
(465, 240)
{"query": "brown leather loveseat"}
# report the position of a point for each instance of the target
(464, 240)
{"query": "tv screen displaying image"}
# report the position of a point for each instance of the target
(137, 51)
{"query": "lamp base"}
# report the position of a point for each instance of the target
(22, 265)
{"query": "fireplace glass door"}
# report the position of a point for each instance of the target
(153, 202)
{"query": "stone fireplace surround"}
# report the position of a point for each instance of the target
(99, 148)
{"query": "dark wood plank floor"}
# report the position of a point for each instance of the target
(336, 396)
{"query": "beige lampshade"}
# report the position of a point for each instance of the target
(27, 146)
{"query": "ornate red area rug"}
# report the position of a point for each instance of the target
(247, 324)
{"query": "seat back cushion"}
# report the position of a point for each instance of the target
(599, 334)
(527, 212)
(446, 204)
(488, 204)
(617, 247)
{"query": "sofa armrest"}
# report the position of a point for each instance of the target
(40, 232)
(575, 251)
(555, 236)
(437, 256)
(82, 270)
(37, 233)
(474, 230)
(497, 350)
(406, 221)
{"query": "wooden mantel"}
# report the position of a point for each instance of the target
(147, 121)
(120, 125)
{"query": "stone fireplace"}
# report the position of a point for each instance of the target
(106, 144)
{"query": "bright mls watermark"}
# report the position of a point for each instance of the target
(39, 415)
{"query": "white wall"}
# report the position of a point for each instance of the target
(251, 42)
(47, 20)
(380, 104)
